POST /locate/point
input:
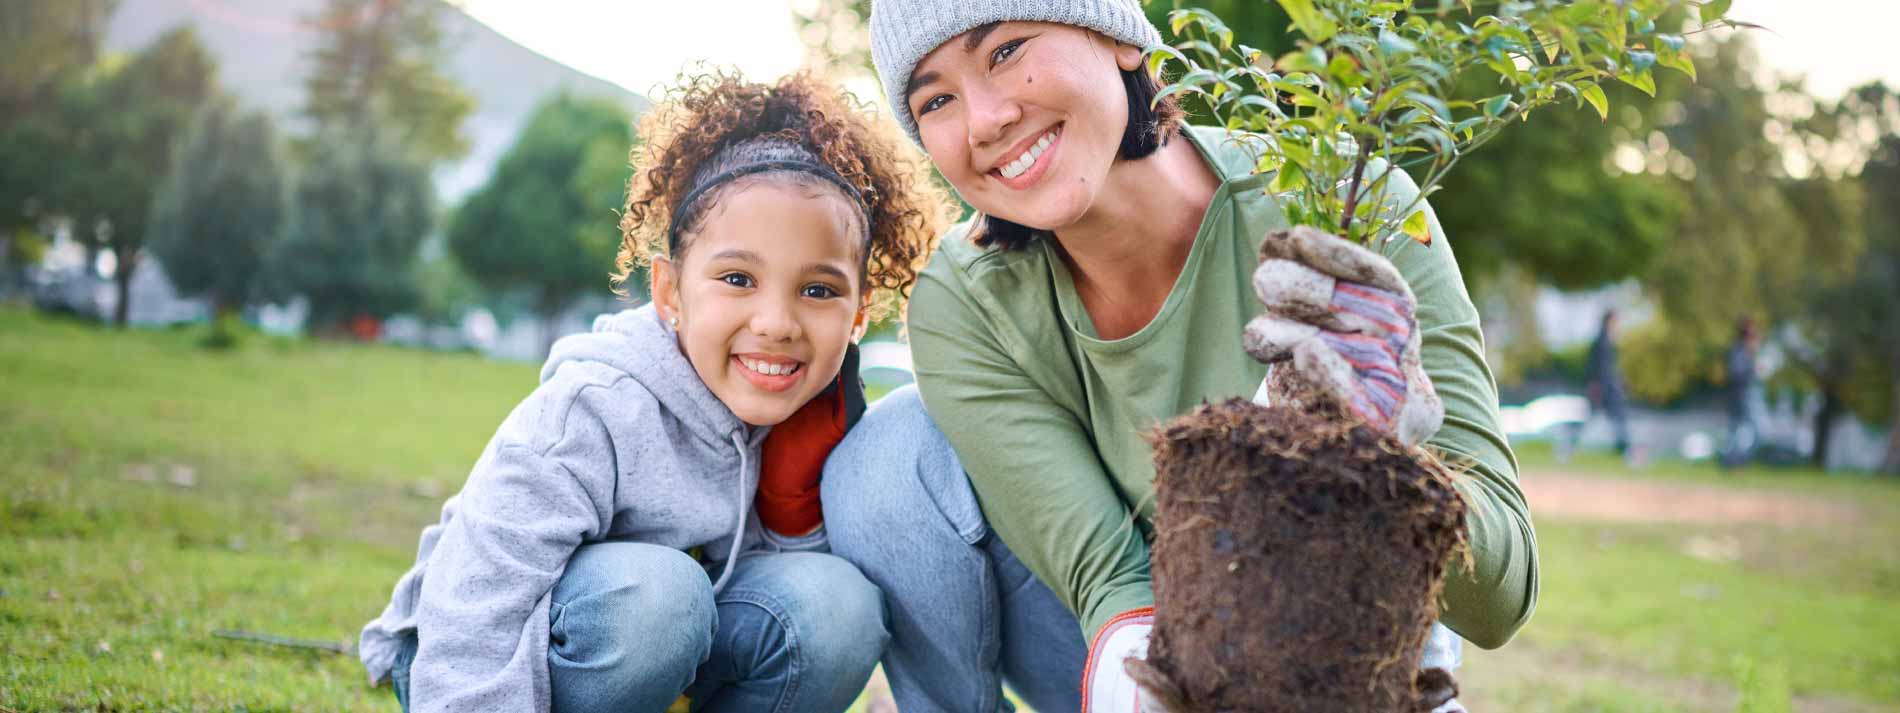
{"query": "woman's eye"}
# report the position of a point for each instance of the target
(819, 292)
(1005, 50)
(736, 279)
(933, 104)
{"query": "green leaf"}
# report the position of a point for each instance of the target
(1290, 178)
(1713, 10)
(1640, 80)
(1496, 106)
(1590, 92)
(1160, 54)
(1311, 21)
(1174, 89)
(1418, 227)
(1677, 60)
(1301, 61)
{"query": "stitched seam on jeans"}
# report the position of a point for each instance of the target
(992, 630)
(771, 606)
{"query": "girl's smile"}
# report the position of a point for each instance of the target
(769, 372)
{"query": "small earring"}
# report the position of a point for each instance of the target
(673, 322)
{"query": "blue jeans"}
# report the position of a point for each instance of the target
(633, 626)
(965, 614)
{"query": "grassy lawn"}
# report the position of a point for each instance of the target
(152, 493)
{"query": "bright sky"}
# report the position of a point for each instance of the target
(638, 44)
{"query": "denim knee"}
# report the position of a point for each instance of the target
(894, 466)
(628, 623)
(808, 620)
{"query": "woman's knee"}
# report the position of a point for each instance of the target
(893, 467)
(815, 609)
(629, 615)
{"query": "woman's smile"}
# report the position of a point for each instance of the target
(1029, 160)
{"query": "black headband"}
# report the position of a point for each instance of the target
(746, 169)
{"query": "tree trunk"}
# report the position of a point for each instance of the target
(122, 278)
(1891, 463)
(1824, 425)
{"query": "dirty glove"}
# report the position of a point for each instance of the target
(1339, 325)
(1119, 648)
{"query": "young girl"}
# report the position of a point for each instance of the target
(605, 553)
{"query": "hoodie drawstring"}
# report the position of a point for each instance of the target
(738, 533)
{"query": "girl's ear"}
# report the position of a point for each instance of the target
(665, 289)
(859, 325)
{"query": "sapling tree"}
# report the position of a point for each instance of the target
(1300, 553)
(1370, 84)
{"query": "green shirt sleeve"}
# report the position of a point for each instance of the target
(1040, 482)
(1487, 603)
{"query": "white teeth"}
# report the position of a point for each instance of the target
(768, 368)
(1028, 158)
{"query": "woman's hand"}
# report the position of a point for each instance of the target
(1339, 324)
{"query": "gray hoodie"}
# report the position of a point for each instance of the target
(621, 441)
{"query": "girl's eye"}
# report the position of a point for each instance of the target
(819, 292)
(736, 279)
(1004, 51)
(933, 104)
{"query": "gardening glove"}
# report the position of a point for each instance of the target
(1339, 324)
(1118, 678)
(794, 452)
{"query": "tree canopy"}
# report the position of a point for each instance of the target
(545, 221)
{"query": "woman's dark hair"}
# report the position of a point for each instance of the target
(1149, 128)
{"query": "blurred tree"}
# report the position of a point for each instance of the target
(544, 223)
(43, 47)
(383, 113)
(118, 129)
(217, 214)
(1736, 247)
(360, 211)
(377, 70)
(43, 44)
(1848, 327)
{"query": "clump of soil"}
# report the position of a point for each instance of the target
(1297, 563)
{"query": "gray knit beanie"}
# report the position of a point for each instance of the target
(903, 31)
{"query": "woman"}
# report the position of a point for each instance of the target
(1104, 287)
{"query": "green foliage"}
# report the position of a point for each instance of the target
(377, 74)
(545, 221)
(221, 208)
(384, 114)
(1370, 81)
(114, 130)
(360, 211)
(44, 47)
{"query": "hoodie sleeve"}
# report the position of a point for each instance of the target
(544, 485)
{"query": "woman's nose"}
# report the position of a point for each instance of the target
(992, 114)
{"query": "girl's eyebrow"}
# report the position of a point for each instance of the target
(737, 254)
(829, 269)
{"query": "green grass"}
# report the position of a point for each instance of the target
(314, 465)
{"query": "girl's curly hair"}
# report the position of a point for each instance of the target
(709, 112)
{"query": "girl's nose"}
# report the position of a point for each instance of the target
(775, 320)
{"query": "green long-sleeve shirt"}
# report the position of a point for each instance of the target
(1047, 418)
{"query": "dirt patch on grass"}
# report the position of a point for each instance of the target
(1570, 496)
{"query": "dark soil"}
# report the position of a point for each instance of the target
(1297, 563)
